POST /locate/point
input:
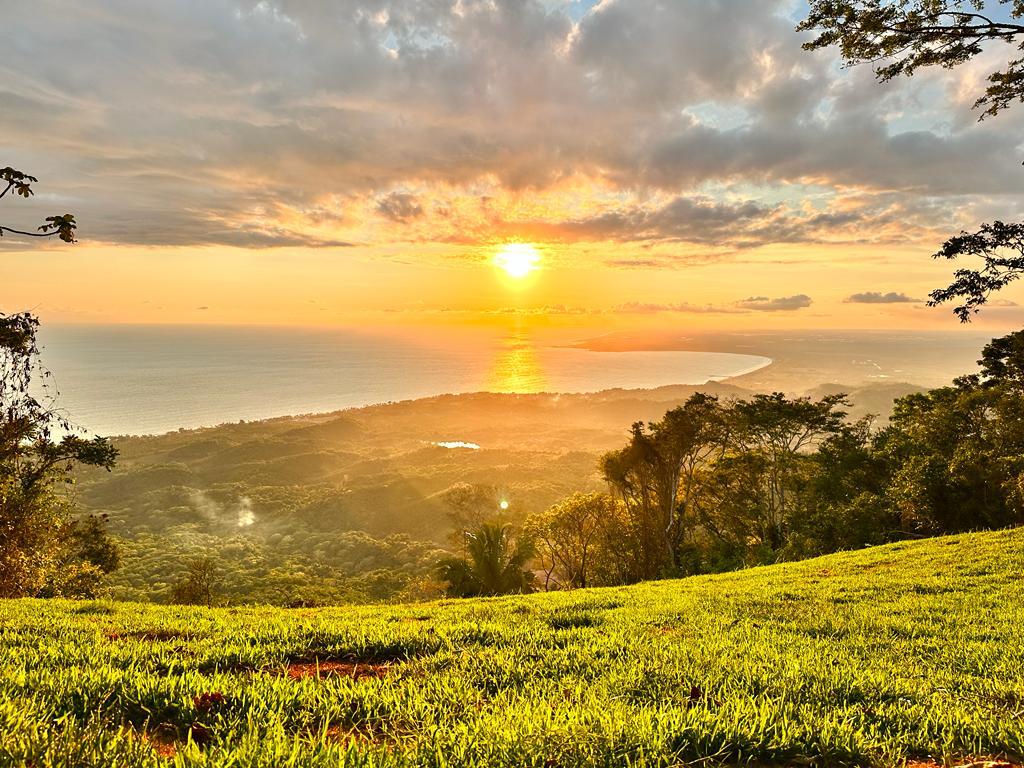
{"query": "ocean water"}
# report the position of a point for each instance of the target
(124, 379)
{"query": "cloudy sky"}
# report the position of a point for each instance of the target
(340, 161)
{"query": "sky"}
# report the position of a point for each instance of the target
(666, 163)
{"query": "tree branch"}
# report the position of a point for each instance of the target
(28, 234)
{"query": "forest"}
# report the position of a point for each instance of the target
(361, 507)
(722, 484)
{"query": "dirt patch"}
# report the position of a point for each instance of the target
(300, 670)
(163, 740)
(162, 745)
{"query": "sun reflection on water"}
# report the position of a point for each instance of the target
(516, 368)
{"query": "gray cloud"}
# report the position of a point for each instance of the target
(877, 297)
(400, 206)
(781, 304)
(255, 123)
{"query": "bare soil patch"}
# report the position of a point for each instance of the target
(300, 670)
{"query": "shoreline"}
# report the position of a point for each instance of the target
(189, 387)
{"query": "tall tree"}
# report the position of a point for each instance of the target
(902, 36)
(957, 453)
(660, 475)
(469, 505)
(199, 585)
(780, 431)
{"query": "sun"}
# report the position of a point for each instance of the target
(517, 259)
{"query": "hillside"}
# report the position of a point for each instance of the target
(347, 506)
(907, 651)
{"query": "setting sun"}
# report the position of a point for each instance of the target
(517, 259)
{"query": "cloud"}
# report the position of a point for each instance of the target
(782, 304)
(292, 123)
(400, 206)
(644, 308)
(876, 297)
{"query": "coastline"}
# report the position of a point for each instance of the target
(768, 362)
(189, 382)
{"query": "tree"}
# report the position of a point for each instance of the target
(956, 454)
(844, 504)
(779, 431)
(660, 476)
(568, 538)
(974, 286)
(469, 506)
(1002, 363)
(902, 36)
(38, 452)
(496, 564)
(90, 542)
(199, 585)
(62, 226)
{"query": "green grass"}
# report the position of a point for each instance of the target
(867, 658)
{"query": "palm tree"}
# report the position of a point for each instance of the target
(496, 564)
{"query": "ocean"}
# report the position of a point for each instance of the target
(135, 379)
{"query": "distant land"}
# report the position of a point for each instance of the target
(133, 379)
(149, 379)
(802, 360)
(349, 506)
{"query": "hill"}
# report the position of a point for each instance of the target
(904, 652)
(347, 506)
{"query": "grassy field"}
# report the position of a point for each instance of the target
(903, 652)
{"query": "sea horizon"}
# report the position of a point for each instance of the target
(138, 379)
(129, 379)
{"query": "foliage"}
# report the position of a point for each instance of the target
(974, 286)
(289, 566)
(717, 480)
(782, 478)
(957, 453)
(200, 585)
(577, 541)
(63, 225)
(910, 34)
(658, 478)
(42, 550)
(496, 563)
(469, 506)
(892, 655)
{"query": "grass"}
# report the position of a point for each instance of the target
(909, 651)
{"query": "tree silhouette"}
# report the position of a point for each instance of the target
(902, 36)
(63, 226)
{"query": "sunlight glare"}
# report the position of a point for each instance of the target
(517, 259)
